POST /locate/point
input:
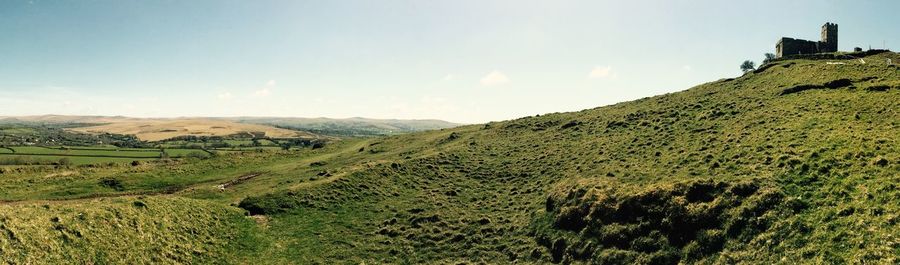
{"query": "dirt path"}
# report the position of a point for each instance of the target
(238, 180)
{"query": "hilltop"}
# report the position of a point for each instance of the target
(795, 162)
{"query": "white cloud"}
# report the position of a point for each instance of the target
(494, 78)
(225, 96)
(602, 72)
(449, 77)
(687, 67)
(265, 91)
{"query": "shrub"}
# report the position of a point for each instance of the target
(65, 161)
(112, 183)
(198, 155)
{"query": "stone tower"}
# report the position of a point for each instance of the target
(829, 41)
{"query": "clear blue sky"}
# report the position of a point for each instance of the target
(462, 61)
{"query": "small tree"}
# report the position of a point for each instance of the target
(748, 66)
(769, 58)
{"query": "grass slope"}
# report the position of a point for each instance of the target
(731, 171)
(794, 163)
(159, 230)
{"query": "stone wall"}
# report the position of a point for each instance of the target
(789, 46)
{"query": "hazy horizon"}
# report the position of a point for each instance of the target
(221, 117)
(461, 61)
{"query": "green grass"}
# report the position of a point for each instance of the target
(732, 171)
(17, 131)
(239, 142)
(73, 160)
(123, 152)
(125, 230)
(182, 152)
(826, 157)
(74, 155)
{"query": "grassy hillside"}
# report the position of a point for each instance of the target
(733, 170)
(168, 230)
(797, 162)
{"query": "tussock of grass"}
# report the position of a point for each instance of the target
(660, 224)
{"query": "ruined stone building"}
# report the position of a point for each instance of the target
(829, 43)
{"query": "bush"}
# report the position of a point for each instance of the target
(112, 183)
(65, 161)
(198, 155)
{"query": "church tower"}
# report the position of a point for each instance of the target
(829, 41)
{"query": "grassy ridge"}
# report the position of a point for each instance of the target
(796, 162)
(823, 162)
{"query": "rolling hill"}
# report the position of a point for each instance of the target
(161, 129)
(796, 162)
(350, 126)
(156, 129)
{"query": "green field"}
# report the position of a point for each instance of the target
(184, 152)
(797, 162)
(101, 154)
(73, 160)
(124, 152)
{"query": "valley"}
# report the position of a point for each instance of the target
(740, 170)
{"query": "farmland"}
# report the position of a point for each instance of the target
(38, 142)
(87, 155)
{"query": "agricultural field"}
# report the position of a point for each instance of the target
(162, 129)
(350, 127)
(90, 154)
(50, 140)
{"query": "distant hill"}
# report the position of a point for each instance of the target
(350, 126)
(155, 129)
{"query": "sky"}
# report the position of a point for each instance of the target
(461, 61)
